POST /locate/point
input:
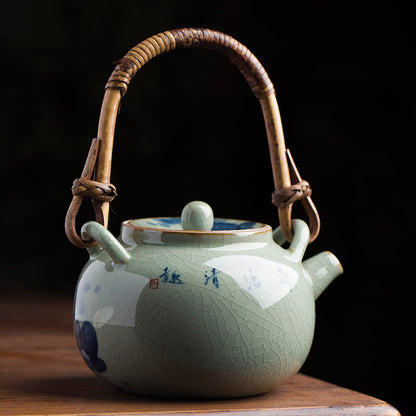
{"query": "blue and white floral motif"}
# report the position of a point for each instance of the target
(88, 345)
(173, 223)
(231, 225)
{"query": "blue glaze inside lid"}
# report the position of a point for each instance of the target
(196, 216)
(174, 223)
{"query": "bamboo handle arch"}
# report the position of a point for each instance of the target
(100, 155)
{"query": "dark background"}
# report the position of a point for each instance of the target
(190, 128)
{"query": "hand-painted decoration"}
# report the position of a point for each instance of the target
(212, 276)
(169, 276)
(87, 343)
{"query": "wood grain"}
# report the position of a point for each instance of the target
(42, 373)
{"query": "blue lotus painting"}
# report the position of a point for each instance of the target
(88, 344)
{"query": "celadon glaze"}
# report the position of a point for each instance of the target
(225, 312)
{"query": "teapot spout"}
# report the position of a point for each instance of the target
(323, 269)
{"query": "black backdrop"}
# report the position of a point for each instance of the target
(189, 128)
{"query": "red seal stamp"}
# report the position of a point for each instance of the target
(154, 283)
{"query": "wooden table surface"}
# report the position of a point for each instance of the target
(42, 373)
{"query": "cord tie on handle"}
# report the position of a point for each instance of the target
(98, 191)
(282, 197)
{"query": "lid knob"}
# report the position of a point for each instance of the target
(197, 216)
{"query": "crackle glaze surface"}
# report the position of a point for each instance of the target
(196, 314)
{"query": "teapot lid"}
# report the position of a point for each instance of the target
(197, 217)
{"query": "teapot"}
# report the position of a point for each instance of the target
(196, 306)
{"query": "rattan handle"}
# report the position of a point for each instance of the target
(156, 45)
(117, 86)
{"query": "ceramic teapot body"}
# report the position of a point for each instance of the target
(220, 313)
